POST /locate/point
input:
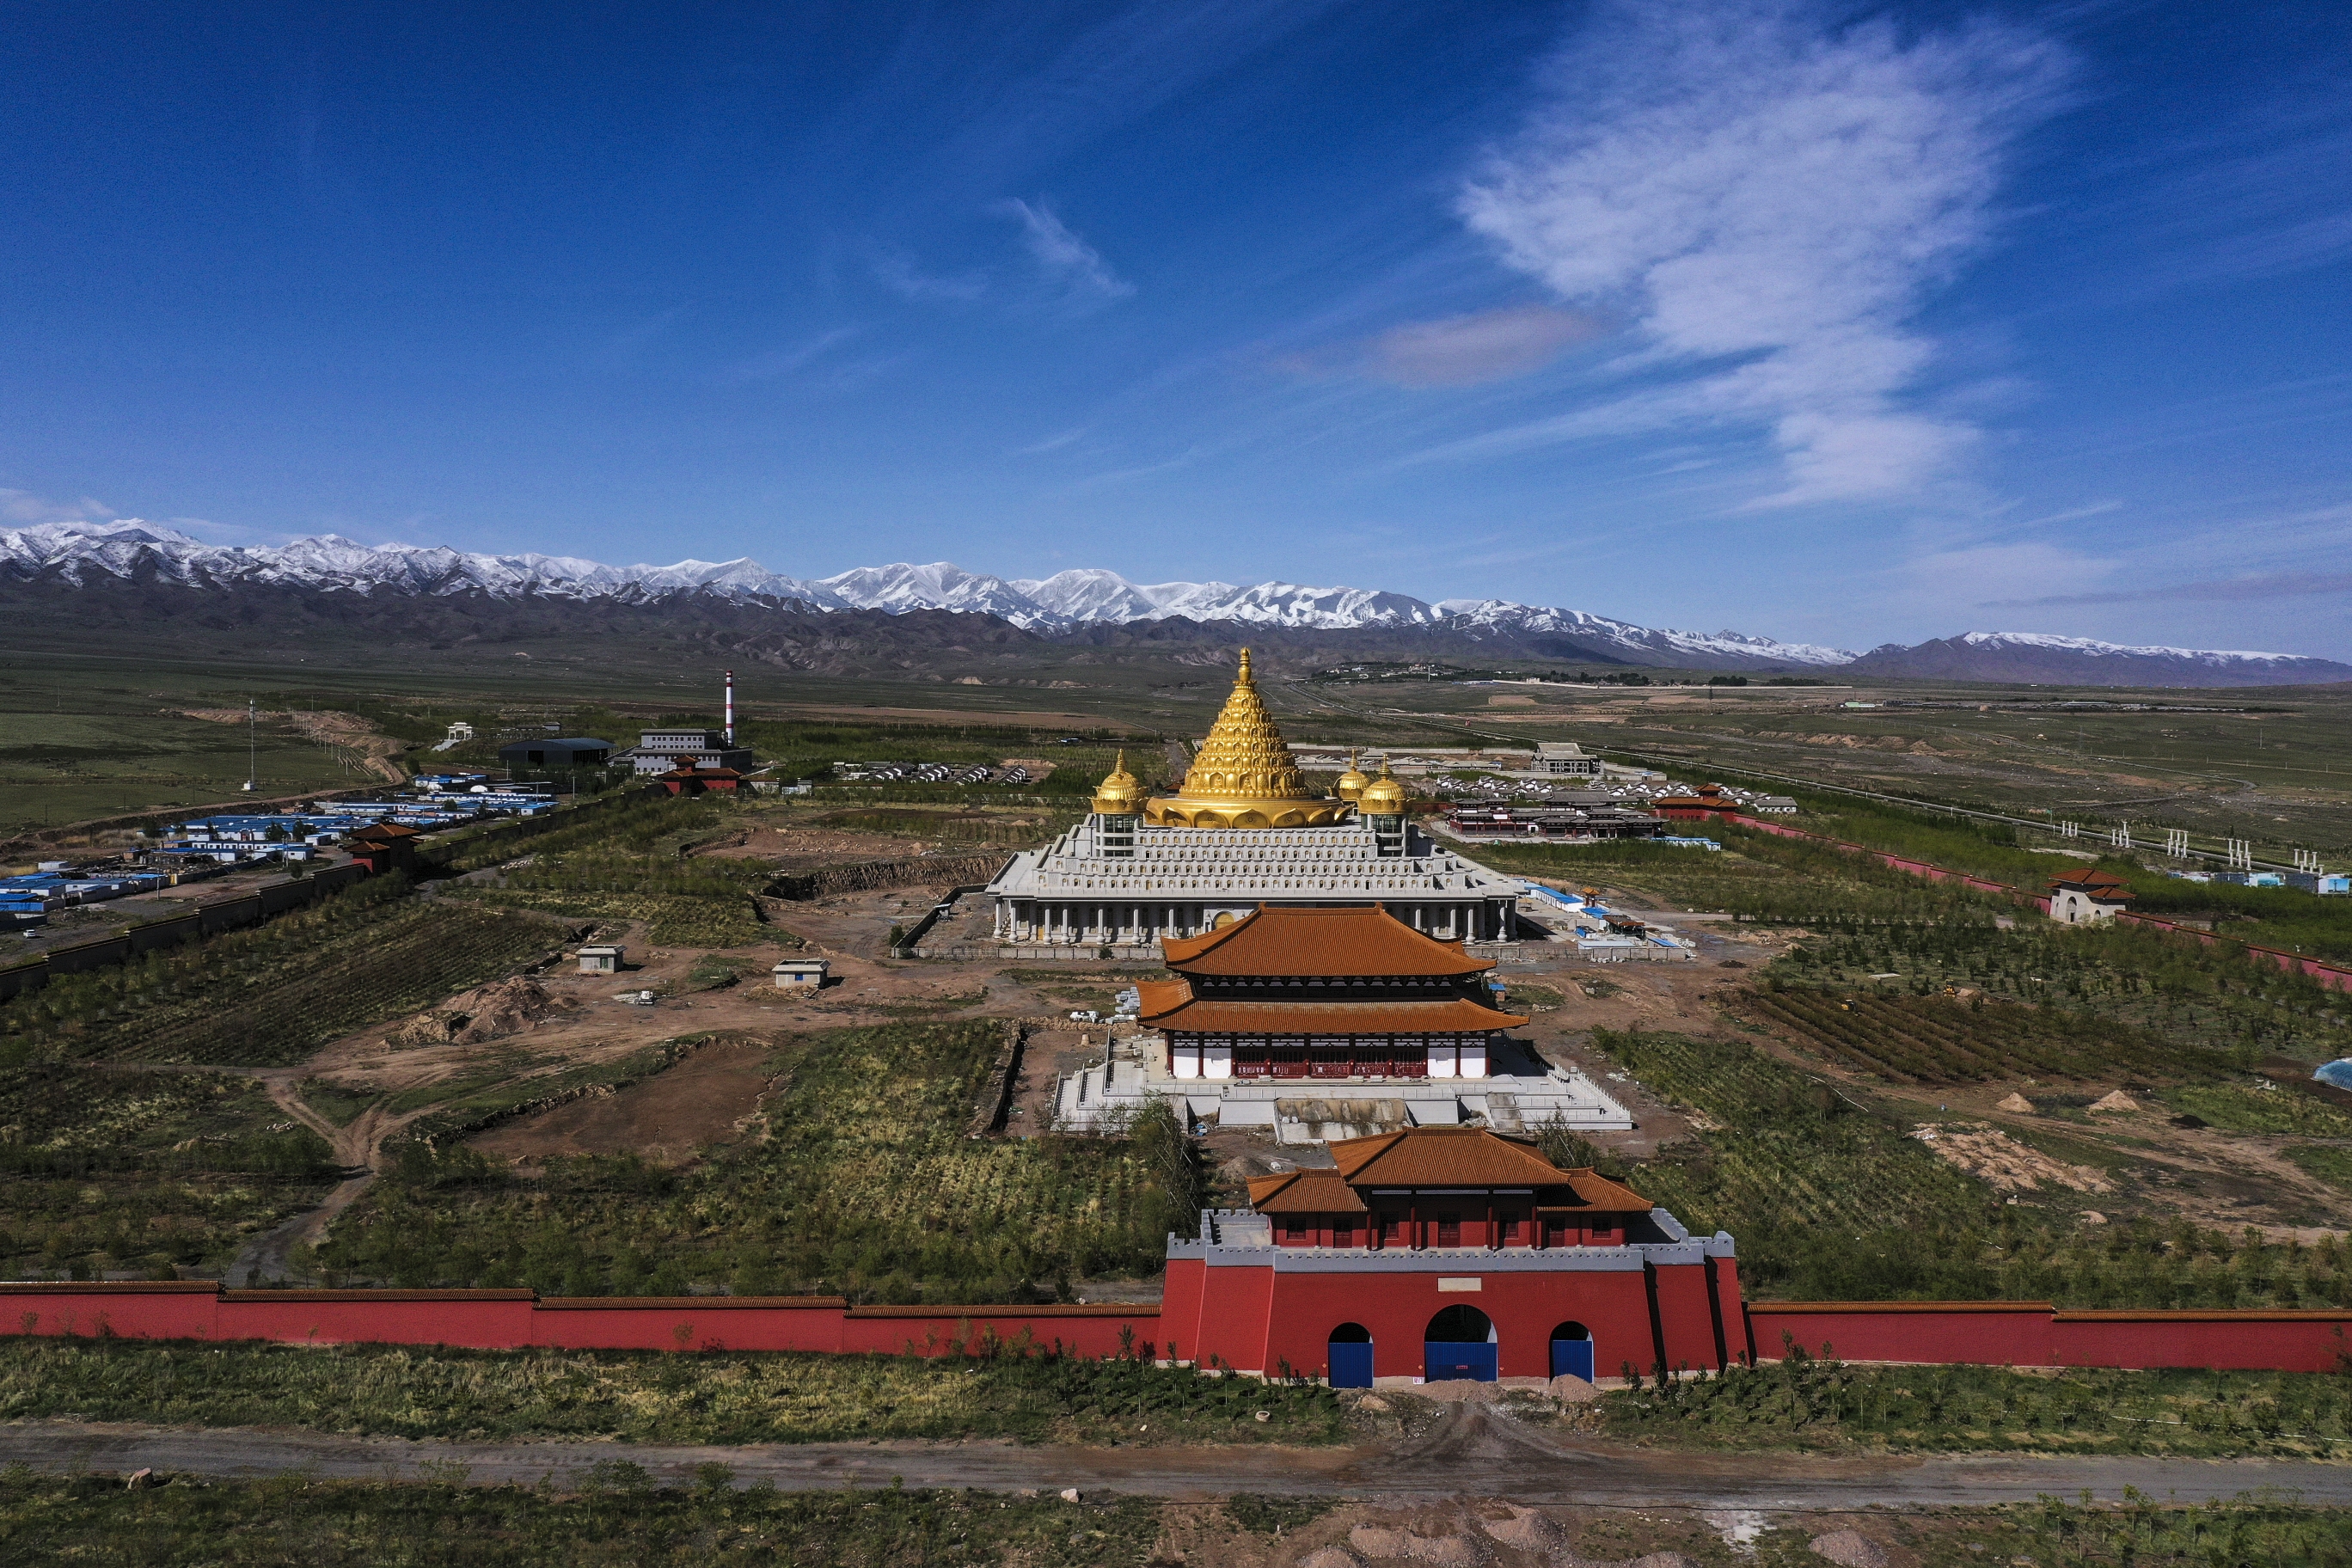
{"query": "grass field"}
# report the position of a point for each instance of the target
(269, 995)
(1823, 1403)
(715, 1396)
(1938, 1039)
(862, 1182)
(1789, 1163)
(630, 862)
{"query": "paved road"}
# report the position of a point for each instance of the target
(1474, 1452)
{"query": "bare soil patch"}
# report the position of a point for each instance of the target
(2006, 1164)
(706, 1099)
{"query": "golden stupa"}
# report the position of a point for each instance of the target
(1352, 782)
(1242, 775)
(1120, 793)
(1383, 797)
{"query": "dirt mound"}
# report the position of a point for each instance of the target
(489, 1012)
(1528, 1530)
(2007, 1164)
(2016, 1103)
(2116, 1101)
(1850, 1549)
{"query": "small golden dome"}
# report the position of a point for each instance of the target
(1381, 797)
(1352, 782)
(1119, 793)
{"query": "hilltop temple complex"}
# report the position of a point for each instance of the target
(1244, 831)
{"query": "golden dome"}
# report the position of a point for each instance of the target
(1381, 797)
(1352, 782)
(1244, 776)
(1119, 793)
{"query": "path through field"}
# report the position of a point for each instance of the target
(1475, 1452)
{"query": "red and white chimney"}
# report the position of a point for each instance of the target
(731, 708)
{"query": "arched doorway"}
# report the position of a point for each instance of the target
(1572, 1351)
(1351, 1356)
(1459, 1343)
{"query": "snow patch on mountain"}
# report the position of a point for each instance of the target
(2123, 650)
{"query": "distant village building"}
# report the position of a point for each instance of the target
(579, 751)
(794, 974)
(1564, 759)
(1244, 831)
(2087, 898)
(667, 750)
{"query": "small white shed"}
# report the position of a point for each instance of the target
(600, 960)
(798, 972)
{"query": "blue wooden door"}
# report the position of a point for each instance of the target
(1351, 1366)
(1443, 1362)
(1572, 1358)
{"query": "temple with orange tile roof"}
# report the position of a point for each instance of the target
(1322, 994)
(1438, 1253)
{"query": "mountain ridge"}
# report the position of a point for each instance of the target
(1083, 602)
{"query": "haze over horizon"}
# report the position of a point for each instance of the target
(1836, 324)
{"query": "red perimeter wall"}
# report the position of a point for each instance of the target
(2034, 1334)
(514, 1320)
(1250, 1317)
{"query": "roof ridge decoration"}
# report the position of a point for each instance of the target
(1242, 775)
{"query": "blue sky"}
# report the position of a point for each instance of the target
(1837, 324)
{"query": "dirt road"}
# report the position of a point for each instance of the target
(1477, 1452)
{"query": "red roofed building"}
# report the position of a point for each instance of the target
(692, 779)
(1448, 1252)
(1709, 802)
(384, 847)
(1350, 993)
(2086, 897)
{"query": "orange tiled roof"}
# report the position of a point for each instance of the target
(1364, 941)
(388, 832)
(1213, 1015)
(1472, 1157)
(1304, 1192)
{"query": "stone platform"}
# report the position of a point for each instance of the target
(1317, 1110)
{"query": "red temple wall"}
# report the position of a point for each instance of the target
(1250, 1317)
(2030, 1334)
(1396, 1309)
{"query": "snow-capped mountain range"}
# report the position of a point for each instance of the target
(75, 554)
(79, 553)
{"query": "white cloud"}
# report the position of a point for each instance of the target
(1751, 185)
(1069, 260)
(783, 361)
(899, 274)
(1464, 350)
(25, 507)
